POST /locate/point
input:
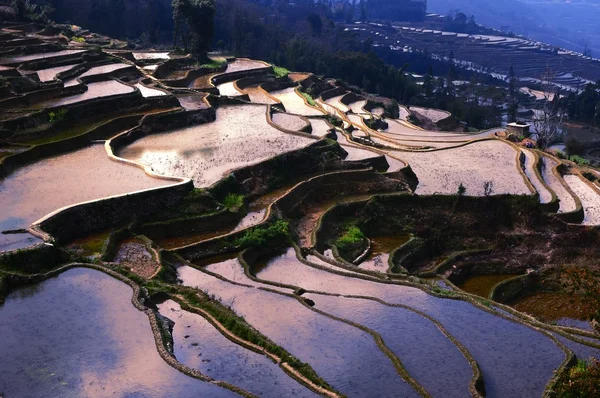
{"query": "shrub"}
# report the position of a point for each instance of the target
(351, 238)
(280, 71)
(78, 39)
(234, 202)
(461, 190)
(579, 160)
(260, 237)
(582, 381)
(54, 117)
(560, 155)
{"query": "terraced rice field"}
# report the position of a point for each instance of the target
(239, 137)
(590, 198)
(567, 203)
(104, 69)
(443, 171)
(91, 175)
(232, 296)
(294, 102)
(84, 350)
(148, 92)
(94, 91)
(46, 75)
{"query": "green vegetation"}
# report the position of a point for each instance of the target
(309, 98)
(581, 381)
(234, 202)
(58, 116)
(579, 160)
(214, 63)
(78, 39)
(353, 237)
(280, 71)
(261, 237)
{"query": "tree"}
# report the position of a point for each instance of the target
(316, 24)
(548, 120)
(194, 23)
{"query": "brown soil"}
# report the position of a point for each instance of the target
(134, 254)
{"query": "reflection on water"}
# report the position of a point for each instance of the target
(36, 190)
(418, 343)
(239, 137)
(344, 356)
(515, 360)
(200, 346)
(77, 335)
(381, 248)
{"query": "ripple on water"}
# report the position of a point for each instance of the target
(79, 335)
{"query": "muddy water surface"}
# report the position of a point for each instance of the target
(343, 355)
(289, 122)
(239, 137)
(381, 248)
(199, 345)
(78, 335)
(567, 203)
(554, 307)
(482, 285)
(443, 171)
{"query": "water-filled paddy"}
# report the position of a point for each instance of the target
(46, 75)
(34, 191)
(482, 285)
(228, 89)
(567, 203)
(545, 195)
(148, 92)
(590, 199)
(288, 122)
(471, 165)
(239, 137)
(357, 107)
(257, 95)
(294, 103)
(515, 360)
(94, 90)
(79, 335)
(36, 57)
(244, 64)
(344, 356)
(381, 248)
(429, 356)
(199, 345)
(100, 70)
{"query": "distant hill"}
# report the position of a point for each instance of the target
(568, 24)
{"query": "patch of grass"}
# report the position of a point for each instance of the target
(78, 39)
(234, 202)
(280, 71)
(261, 237)
(351, 238)
(309, 99)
